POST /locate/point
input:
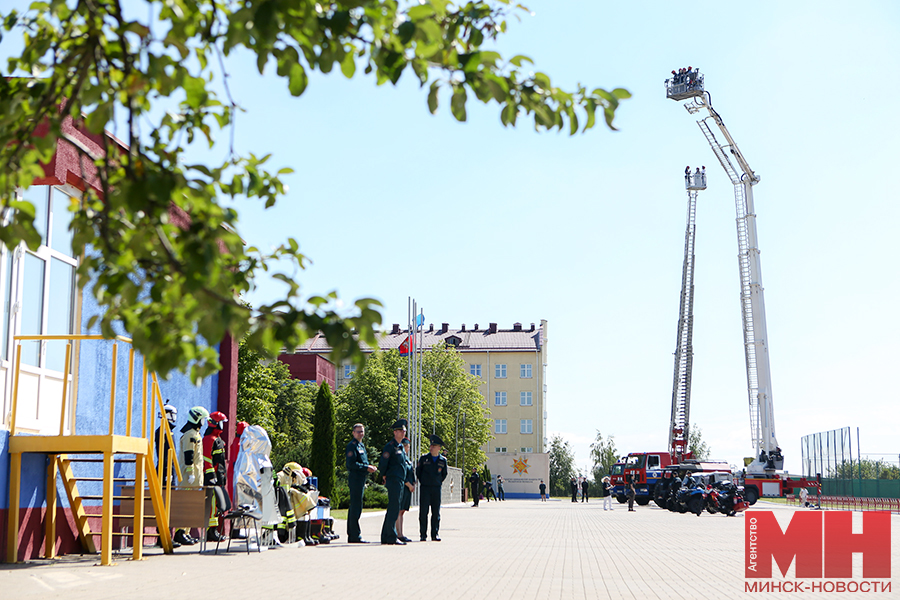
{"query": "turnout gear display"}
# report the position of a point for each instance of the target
(215, 462)
(190, 448)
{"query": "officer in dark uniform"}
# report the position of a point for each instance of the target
(431, 471)
(358, 468)
(392, 466)
(475, 484)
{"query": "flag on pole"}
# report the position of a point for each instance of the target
(420, 319)
(406, 345)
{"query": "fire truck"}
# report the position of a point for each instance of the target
(763, 473)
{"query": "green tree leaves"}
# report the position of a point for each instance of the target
(696, 446)
(604, 455)
(323, 451)
(167, 262)
(562, 465)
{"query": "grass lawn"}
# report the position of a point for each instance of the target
(341, 513)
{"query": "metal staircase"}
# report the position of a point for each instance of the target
(130, 453)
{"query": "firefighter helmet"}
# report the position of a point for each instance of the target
(171, 413)
(217, 420)
(197, 415)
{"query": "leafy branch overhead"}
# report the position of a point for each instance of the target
(156, 221)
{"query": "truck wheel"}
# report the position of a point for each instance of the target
(621, 499)
(643, 501)
(751, 495)
(695, 505)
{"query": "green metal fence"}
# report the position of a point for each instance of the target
(862, 488)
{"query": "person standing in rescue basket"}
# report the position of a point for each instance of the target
(358, 468)
(431, 471)
(392, 467)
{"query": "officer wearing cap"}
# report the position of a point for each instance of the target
(358, 468)
(431, 471)
(392, 466)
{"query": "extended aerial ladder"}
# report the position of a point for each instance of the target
(679, 424)
(768, 456)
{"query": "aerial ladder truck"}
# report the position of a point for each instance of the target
(762, 477)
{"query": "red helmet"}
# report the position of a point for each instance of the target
(217, 420)
(240, 427)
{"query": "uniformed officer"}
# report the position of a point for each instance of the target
(409, 484)
(358, 468)
(431, 471)
(392, 466)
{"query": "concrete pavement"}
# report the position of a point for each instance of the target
(518, 549)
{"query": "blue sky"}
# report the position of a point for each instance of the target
(481, 223)
(485, 224)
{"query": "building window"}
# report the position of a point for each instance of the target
(525, 426)
(500, 426)
(499, 398)
(525, 399)
(475, 370)
(41, 283)
(349, 371)
(500, 371)
(525, 371)
(527, 450)
(500, 449)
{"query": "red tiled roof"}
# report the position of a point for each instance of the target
(470, 341)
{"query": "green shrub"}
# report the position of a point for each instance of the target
(340, 495)
(375, 496)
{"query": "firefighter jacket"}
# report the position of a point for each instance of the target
(215, 461)
(190, 453)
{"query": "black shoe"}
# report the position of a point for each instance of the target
(404, 539)
(397, 542)
(423, 539)
(183, 539)
(213, 535)
(359, 541)
(435, 538)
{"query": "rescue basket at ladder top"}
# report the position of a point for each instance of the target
(685, 85)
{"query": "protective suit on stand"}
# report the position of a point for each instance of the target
(253, 481)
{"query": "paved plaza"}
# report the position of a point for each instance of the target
(518, 549)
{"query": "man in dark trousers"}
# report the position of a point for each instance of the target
(573, 485)
(475, 484)
(431, 471)
(584, 490)
(358, 468)
(393, 469)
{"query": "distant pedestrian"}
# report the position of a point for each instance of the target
(607, 493)
(630, 494)
(501, 495)
(803, 496)
(584, 490)
(475, 485)
(573, 485)
(489, 490)
(543, 488)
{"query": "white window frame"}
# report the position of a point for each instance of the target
(500, 424)
(500, 371)
(526, 426)
(526, 399)
(500, 449)
(499, 398)
(525, 371)
(527, 449)
(349, 371)
(475, 370)
(44, 417)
